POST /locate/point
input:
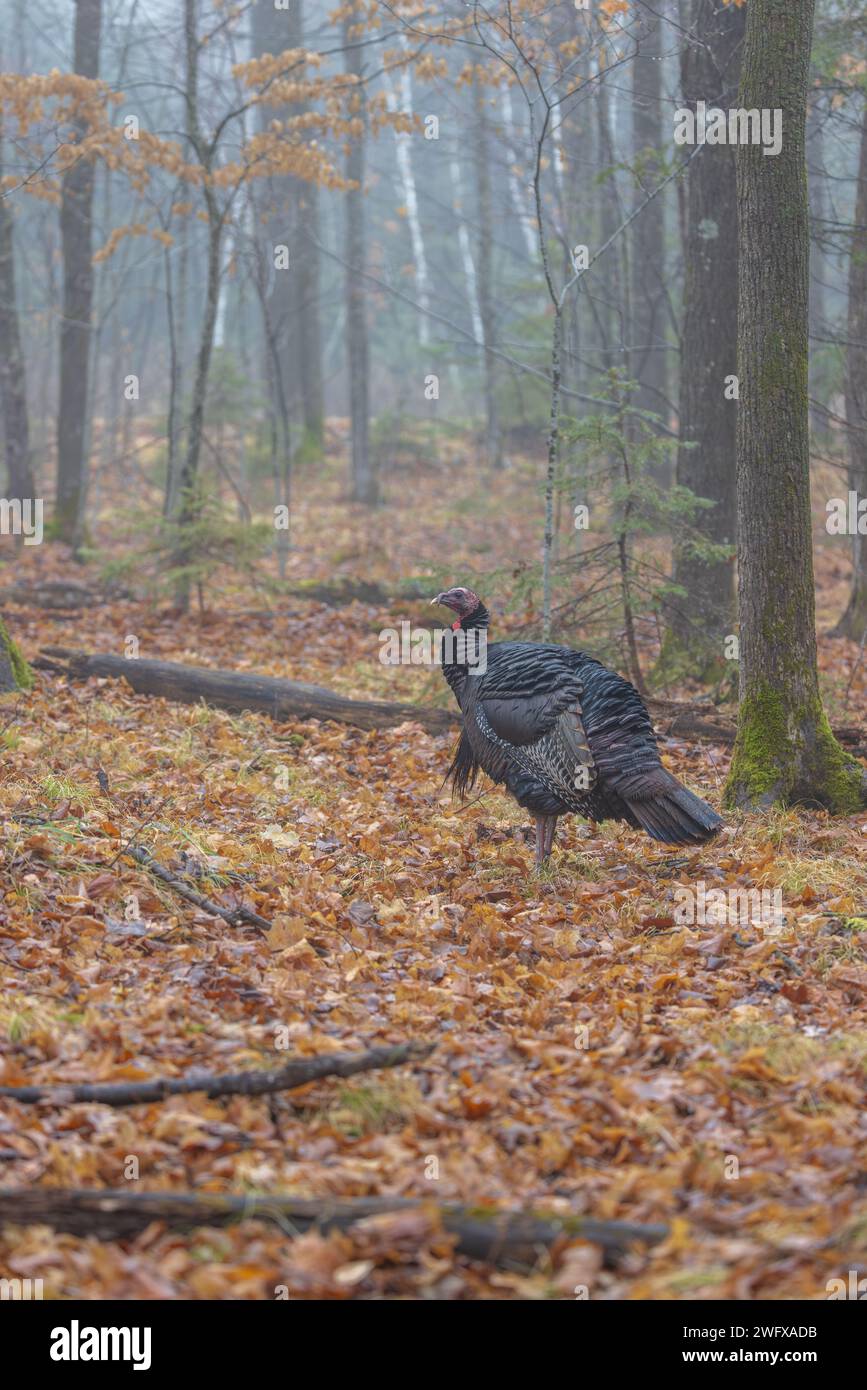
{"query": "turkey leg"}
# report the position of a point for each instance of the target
(550, 832)
(545, 829)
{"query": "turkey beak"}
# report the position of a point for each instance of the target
(434, 601)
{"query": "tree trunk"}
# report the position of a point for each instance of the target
(275, 31)
(15, 674)
(309, 326)
(403, 156)
(188, 501)
(513, 158)
(699, 622)
(188, 489)
(493, 454)
(76, 228)
(578, 222)
(820, 272)
(647, 342)
(551, 470)
(785, 752)
(471, 284)
(364, 484)
(292, 219)
(854, 620)
(611, 215)
(172, 431)
(13, 382)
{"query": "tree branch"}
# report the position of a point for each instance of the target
(299, 1071)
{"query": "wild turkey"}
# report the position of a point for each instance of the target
(563, 733)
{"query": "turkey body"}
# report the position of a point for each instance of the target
(563, 733)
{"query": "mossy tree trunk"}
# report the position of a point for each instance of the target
(699, 623)
(854, 620)
(15, 674)
(785, 752)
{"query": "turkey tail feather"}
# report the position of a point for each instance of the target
(463, 769)
(676, 816)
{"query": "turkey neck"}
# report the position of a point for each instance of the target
(457, 672)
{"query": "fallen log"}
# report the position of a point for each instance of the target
(230, 690)
(62, 595)
(500, 1237)
(298, 1071)
(282, 699)
(681, 720)
(690, 721)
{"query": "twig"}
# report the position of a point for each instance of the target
(232, 915)
(299, 1071)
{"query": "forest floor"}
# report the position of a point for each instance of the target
(591, 1055)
